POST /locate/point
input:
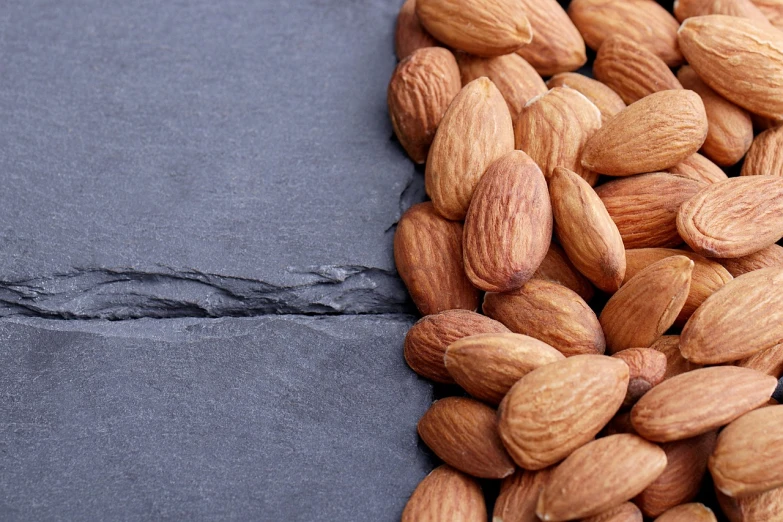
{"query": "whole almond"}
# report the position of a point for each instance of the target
(551, 313)
(626, 464)
(625, 512)
(487, 28)
(557, 268)
(765, 156)
(586, 230)
(420, 91)
(770, 257)
(647, 305)
(573, 400)
(557, 45)
(508, 227)
(475, 131)
(553, 129)
(516, 79)
(694, 512)
(699, 401)
(427, 340)
(631, 70)
(739, 58)
(428, 255)
(769, 361)
(607, 101)
(772, 9)
(446, 495)
(647, 369)
(463, 433)
(669, 345)
(742, 8)
(699, 168)
(643, 21)
(765, 507)
(410, 35)
(654, 133)
(519, 495)
(488, 365)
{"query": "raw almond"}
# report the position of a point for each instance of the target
(557, 408)
(669, 345)
(519, 495)
(410, 34)
(508, 227)
(699, 401)
(475, 131)
(772, 9)
(557, 268)
(769, 257)
(463, 433)
(699, 168)
(765, 156)
(607, 101)
(694, 512)
(766, 507)
(769, 361)
(557, 45)
(599, 475)
(446, 495)
(647, 369)
(625, 512)
(742, 8)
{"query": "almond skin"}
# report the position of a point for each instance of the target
(519, 496)
(420, 91)
(557, 268)
(699, 168)
(410, 35)
(487, 28)
(625, 512)
(586, 230)
(599, 475)
(508, 227)
(699, 401)
(463, 433)
(769, 361)
(688, 513)
(647, 305)
(647, 369)
(607, 101)
(742, 8)
(446, 495)
(428, 255)
(551, 313)
(733, 218)
(740, 59)
(557, 45)
(427, 340)
(765, 156)
(488, 365)
(538, 433)
(769, 257)
(772, 9)
(475, 131)
(654, 133)
(756, 508)
(669, 345)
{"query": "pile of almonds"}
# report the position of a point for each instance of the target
(632, 292)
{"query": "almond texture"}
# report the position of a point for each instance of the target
(742, 8)
(557, 45)
(699, 168)
(557, 268)
(694, 512)
(519, 495)
(669, 345)
(446, 495)
(603, 97)
(647, 368)
(770, 257)
(765, 156)
(410, 34)
(625, 512)
(764, 507)
(769, 361)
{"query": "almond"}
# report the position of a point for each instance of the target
(428, 339)
(551, 313)
(739, 58)
(428, 255)
(688, 513)
(420, 91)
(631, 70)
(410, 35)
(488, 365)
(557, 45)
(742, 8)
(769, 361)
(508, 227)
(654, 133)
(699, 401)
(647, 369)
(463, 433)
(730, 130)
(772, 9)
(647, 305)
(765, 507)
(586, 230)
(699, 168)
(769, 257)
(574, 399)
(620, 423)
(553, 129)
(487, 28)
(519, 495)
(625, 512)
(557, 268)
(599, 475)
(607, 101)
(765, 156)
(669, 345)
(733, 218)
(446, 495)
(475, 131)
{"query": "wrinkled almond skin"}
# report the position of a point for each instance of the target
(516, 79)
(519, 496)
(553, 129)
(428, 255)
(410, 35)
(773, 10)
(769, 361)
(420, 91)
(586, 230)
(475, 131)
(427, 340)
(626, 464)
(740, 59)
(764, 507)
(508, 227)
(446, 495)
(607, 101)
(647, 305)
(699, 168)
(551, 313)
(643, 21)
(765, 156)
(747, 459)
(487, 28)
(557, 45)
(699, 401)
(538, 433)
(631, 70)
(463, 433)
(488, 365)
(770, 257)
(742, 8)
(557, 268)
(647, 368)
(625, 512)
(694, 512)
(654, 133)
(669, 345)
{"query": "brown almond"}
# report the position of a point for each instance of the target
(765, 156)
(699, 168)
(772, 9)
(446, 495)
(769, 361)
(551, 313)
(488, 365)
(626, 464)
(654, 133)
(607, 101)
(764, 507)
(669, 345)
(508, 227)
(538, 433)
(475, 131)
(427, 340)
(699, 401)
(557, 45)
(769, 257)
(464, 434)
(625, 512)
(410, 35)
(647, 305)
(742, 8)
(620, 423)
(519, 495)
(557, 268)
(647, 369)
(694, 512)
